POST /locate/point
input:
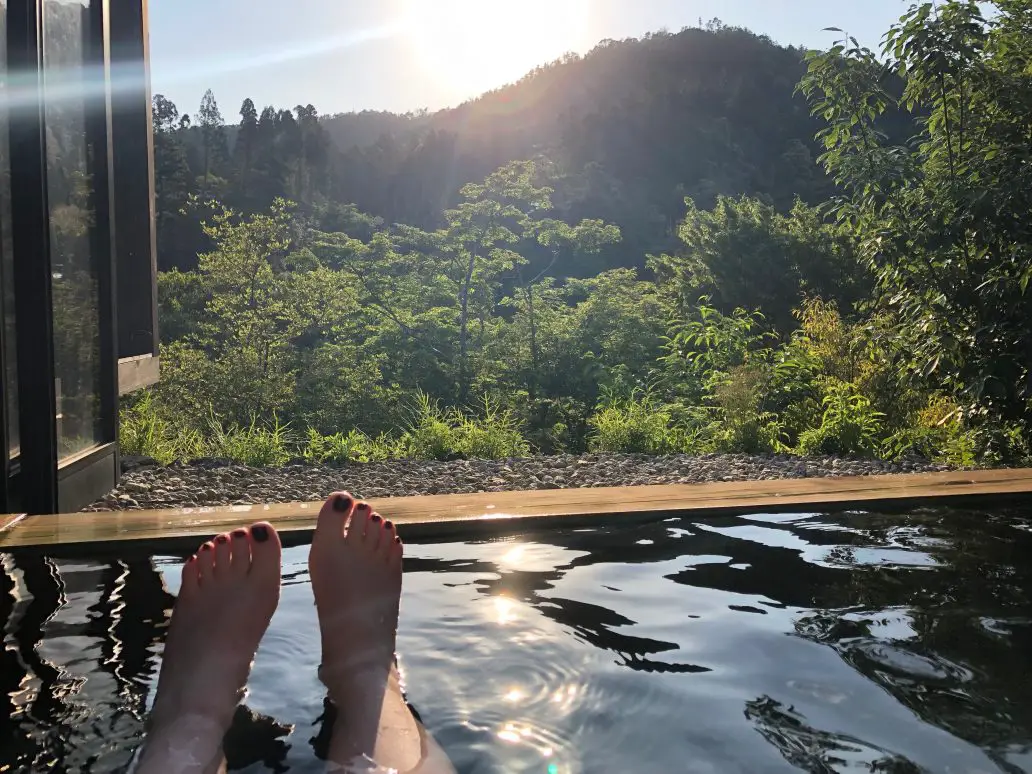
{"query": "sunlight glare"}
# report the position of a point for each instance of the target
(472, 46)
(504, 610)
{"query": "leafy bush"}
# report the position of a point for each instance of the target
(937, 434)
(353, 446)
(849, 424)
(634, 425)
(250, 445)
(743, 427)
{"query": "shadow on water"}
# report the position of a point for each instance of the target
(930, 608)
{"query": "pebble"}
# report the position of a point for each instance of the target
(214, 482)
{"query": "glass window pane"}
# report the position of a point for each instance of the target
(76, 324)
(10, 384)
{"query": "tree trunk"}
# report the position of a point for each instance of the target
(532, 383)
(464, 327)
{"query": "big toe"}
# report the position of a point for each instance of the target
(333, 515)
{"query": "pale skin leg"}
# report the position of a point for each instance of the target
(355, 565)
(229, 592)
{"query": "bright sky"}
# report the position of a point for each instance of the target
(400, 55)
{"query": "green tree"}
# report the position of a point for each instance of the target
(171, 180)
(246, 143)
(942, 220)
(213, 138)
(744, 253)
(586, 238)
(477, 240)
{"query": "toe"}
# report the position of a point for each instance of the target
(374, 536)
(191, 579)
(206, 562)
(396, 550)
(332, 516)
(240, 547)
(265, 552)
(389, 533)
(359, 525)
(222, 556)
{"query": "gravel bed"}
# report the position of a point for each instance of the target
(146, 484)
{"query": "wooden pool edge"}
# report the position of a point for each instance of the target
(437, 517)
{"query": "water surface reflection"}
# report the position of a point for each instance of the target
(816, 642)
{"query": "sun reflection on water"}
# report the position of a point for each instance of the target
(504, 610)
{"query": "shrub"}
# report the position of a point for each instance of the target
(634, 425)
(744, 428)
(849, 424)
(251, 445)
(353, 446)
(937, 433)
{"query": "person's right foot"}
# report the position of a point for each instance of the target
(355, 565)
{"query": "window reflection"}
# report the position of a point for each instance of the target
(66, 38)
(10, 378)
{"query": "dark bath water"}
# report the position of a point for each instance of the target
(847, 642)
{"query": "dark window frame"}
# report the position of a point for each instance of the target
(38, 480)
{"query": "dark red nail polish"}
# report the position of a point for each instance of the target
(342, 503)
(260, 532)
(389, 524)
(222, 539)
(397, 539)
(375, 517)
(206, 547)
(363, 507)
(240, 533)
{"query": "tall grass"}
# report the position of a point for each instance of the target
(254, 444)
(144, 432)
(353, 446)
(492, 433)
(638, 424)
(431, 434)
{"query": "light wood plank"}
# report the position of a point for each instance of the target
(468, 514)
(135, 373)
(9, 519)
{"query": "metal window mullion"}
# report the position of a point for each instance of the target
(99, 140)
(30, 225)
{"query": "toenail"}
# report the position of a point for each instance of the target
(389, 524)
(222, 539)
(260, 532)
(363, 507)
(342, 503)
(206, 547)
(375, 517)
(240, 533)
(397, 539)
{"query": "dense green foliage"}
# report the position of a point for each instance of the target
(671, 271)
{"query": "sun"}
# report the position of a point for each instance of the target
(472, 46)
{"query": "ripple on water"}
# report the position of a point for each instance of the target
(892, 658)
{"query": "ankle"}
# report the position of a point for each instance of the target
(184, 745)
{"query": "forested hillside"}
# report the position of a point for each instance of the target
(626, 131)
(691, 242)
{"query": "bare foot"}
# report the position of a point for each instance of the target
(356, 578)
(229, 592)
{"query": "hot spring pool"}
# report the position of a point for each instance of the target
(845, 642)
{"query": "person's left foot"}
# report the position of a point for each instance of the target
(229, 592)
